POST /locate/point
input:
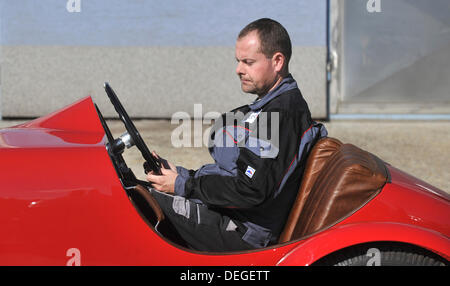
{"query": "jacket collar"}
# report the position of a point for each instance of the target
(286, 84)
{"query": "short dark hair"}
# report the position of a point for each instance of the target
(272, 35)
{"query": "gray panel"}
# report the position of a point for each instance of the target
(396, 60)
(151, 81)
(155, 22)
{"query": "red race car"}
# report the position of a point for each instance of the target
(67, 197)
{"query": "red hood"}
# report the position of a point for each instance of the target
(75, 125)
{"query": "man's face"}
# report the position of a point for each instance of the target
(257, 73)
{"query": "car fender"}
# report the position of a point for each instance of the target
(339, 237)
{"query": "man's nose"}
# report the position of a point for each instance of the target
(239, 70)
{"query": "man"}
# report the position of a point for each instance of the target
(242, 200)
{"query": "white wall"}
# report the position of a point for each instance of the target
(160, 56)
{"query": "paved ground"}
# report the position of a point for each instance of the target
(419, 148)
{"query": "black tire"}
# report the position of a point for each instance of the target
(383, 254)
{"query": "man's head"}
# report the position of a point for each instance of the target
(263, 51)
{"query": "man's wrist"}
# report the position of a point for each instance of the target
(180, 183)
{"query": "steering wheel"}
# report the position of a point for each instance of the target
(132, 136)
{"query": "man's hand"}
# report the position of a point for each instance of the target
(166, 181)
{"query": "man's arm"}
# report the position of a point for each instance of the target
(244, 175)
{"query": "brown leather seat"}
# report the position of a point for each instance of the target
(338, 180)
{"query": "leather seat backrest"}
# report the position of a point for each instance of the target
(338, 180)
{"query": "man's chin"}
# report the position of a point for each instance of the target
(248, 89)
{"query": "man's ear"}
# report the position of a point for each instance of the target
(278, 61)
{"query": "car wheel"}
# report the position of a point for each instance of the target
(383, 254)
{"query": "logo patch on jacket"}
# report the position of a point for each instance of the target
(250, 171)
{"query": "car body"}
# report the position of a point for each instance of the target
(63, 203)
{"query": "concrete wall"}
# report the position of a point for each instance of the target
(160, 56)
